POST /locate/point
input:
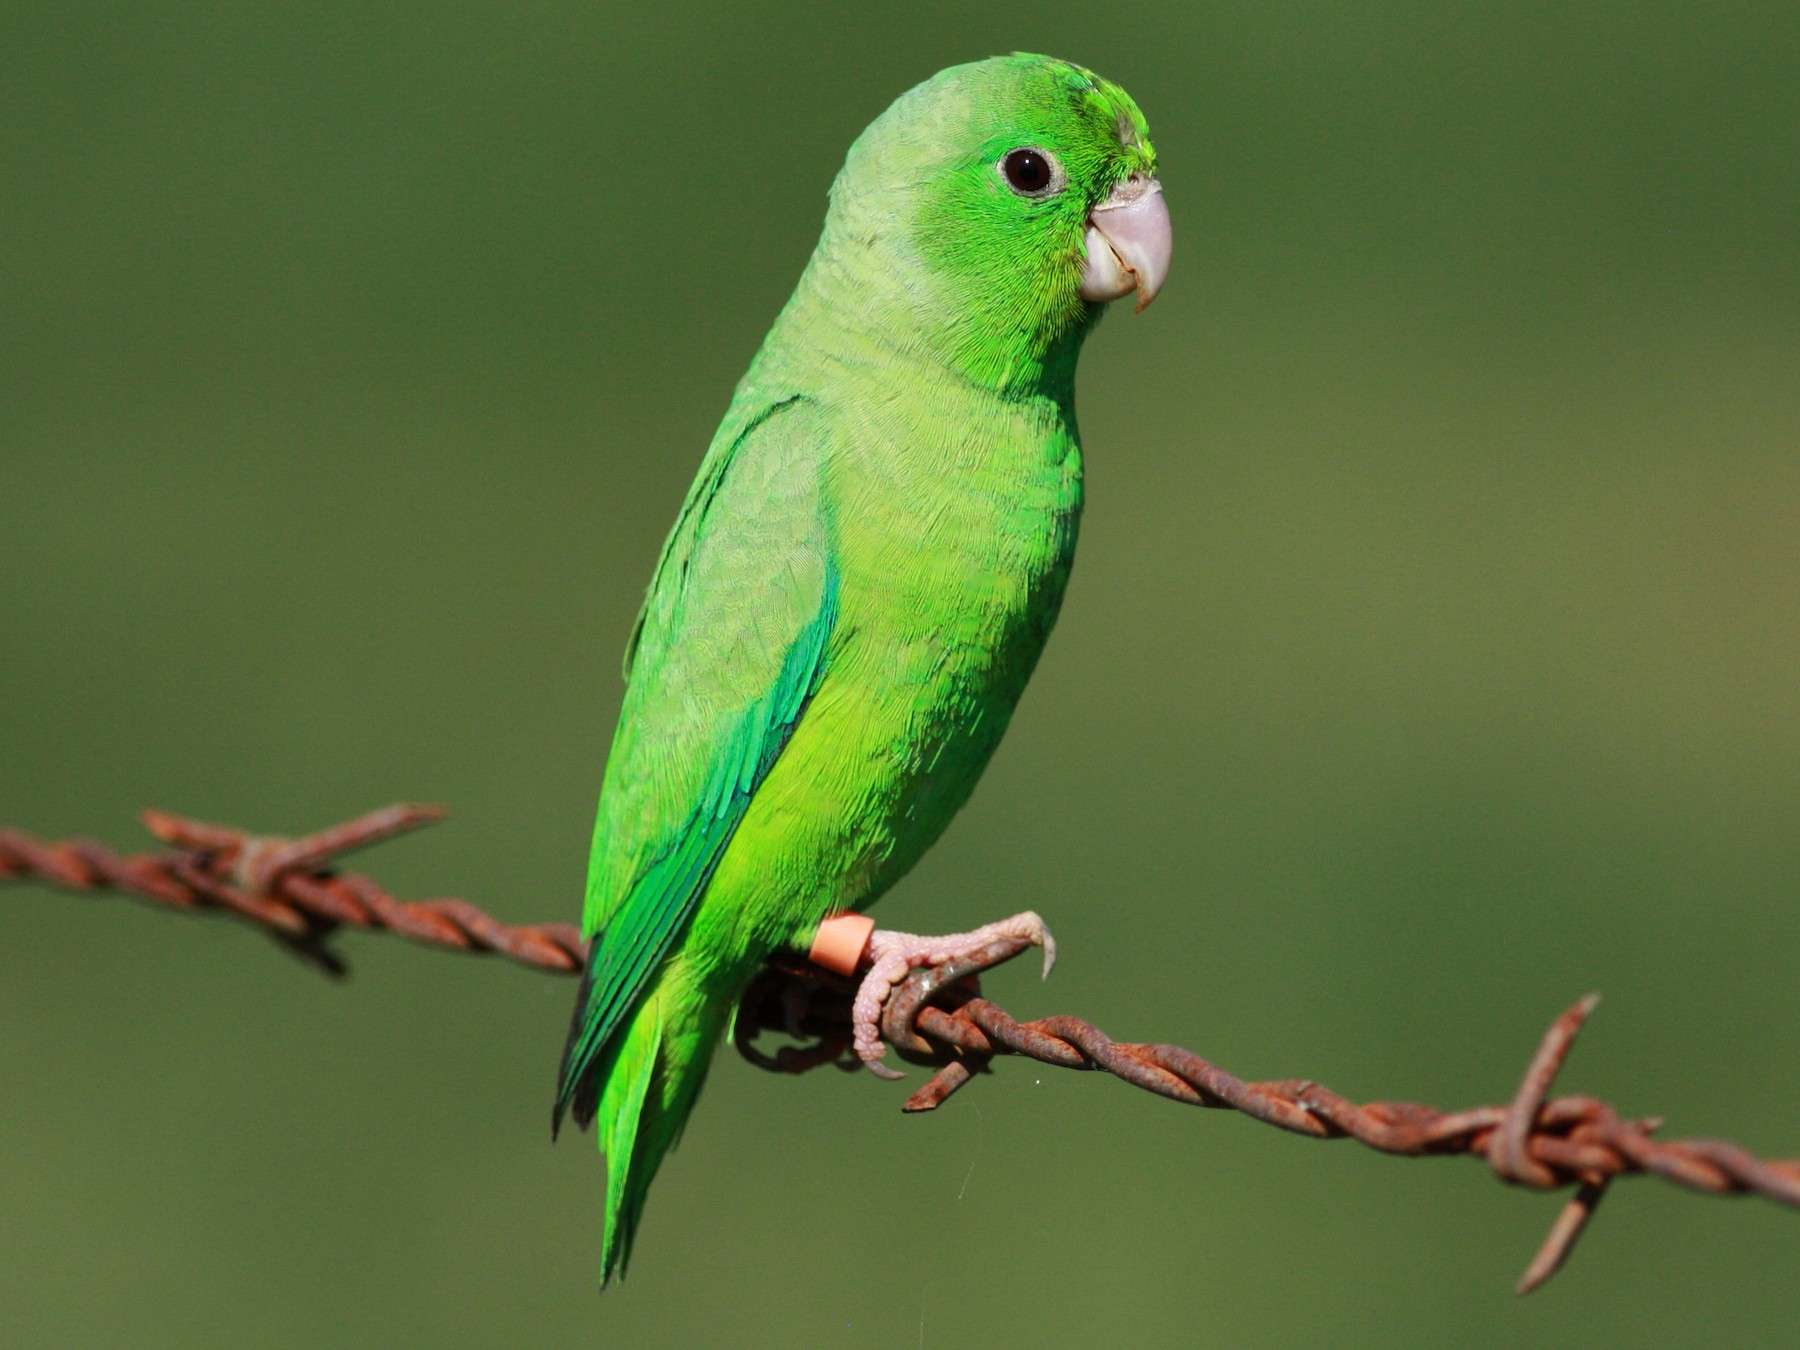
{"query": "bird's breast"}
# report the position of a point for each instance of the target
(951, 558)
(953, 565)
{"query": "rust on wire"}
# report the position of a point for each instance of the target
(936, 1017)
(288, 887)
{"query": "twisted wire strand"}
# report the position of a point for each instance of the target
(938, 1017)
(289, 889)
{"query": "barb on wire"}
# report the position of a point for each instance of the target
(288, 887)
(935, 1017)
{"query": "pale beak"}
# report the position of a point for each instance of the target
(1127, 243)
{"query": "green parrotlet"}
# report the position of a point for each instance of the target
(860, 580)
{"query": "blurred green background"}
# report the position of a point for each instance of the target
(1431, 660)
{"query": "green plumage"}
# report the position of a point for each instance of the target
(857, 588)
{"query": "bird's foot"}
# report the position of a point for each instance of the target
(892, 956)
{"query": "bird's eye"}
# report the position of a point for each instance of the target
(1030, 173)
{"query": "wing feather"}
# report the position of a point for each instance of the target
(727, 652)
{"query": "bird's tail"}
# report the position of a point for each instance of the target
(640, 1095)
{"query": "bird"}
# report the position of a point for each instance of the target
(858, 584)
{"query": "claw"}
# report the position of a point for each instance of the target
(893, 955)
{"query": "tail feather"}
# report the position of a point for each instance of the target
(639, 1094)
(621, 1113)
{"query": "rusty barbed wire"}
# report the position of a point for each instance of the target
(288, 888)
(936, 1017)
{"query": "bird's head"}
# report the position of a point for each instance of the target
(1007, 201)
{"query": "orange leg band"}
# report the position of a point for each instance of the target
(841, 942)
